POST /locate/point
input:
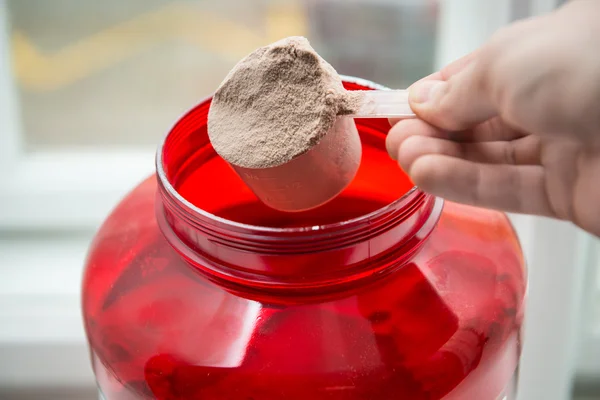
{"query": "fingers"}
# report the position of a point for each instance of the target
(470, 90)
(406, 128)
(519, 189)
(494, 129)
(508, 153)
(489, 144)
(436, 97)
(451, 69)
(501, 174)
(538, 78)
(456, 104)
(444, 74)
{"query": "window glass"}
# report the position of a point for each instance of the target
(118, 73)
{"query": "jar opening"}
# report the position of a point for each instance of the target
(193, 175)
(218, 225)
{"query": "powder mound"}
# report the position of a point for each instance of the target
(275, 105)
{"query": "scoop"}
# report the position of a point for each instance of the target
(317, 176)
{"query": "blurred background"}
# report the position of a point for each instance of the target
(87, 91)
(126, 70)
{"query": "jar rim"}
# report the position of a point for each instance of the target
(227, 223)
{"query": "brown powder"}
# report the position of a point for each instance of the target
(276, 104)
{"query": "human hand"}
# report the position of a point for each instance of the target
(514, 126)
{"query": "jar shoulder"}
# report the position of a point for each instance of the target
(154, 322)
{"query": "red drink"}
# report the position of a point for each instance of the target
(202, 292)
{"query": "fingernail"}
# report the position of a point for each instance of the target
(422, 92)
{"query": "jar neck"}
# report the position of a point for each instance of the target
(312, 258)
(301, 259)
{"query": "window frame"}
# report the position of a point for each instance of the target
(588, 365)
(56, 190)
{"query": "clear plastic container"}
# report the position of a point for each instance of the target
(194, 289)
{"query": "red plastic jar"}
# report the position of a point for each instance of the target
(196, 290)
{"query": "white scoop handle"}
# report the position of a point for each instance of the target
(383, 104)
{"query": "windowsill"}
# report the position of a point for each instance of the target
(42, 340)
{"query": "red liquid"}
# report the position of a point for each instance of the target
(448, 321)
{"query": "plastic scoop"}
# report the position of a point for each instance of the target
(383, 104)
(324, 171)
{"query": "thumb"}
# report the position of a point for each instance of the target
(457, 104)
